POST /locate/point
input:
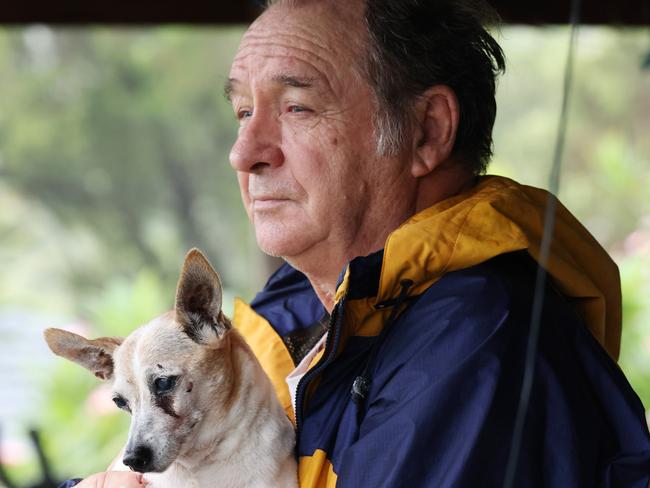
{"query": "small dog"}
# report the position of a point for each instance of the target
(203, 411)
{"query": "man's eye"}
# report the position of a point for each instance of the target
(243, 114)
(164, 384)
(296, 109)
(120, 402)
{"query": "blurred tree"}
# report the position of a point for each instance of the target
(605, 174)
(114, 134)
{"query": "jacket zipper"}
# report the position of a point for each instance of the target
(334, 331)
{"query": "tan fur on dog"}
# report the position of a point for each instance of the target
(203, 412)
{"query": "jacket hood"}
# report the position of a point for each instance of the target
(496, 217)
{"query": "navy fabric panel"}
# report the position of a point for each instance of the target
(70, 483)
(445, 389)
(288, 301)
(624, 412)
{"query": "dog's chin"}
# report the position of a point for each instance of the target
(157, 467)
(160, 465)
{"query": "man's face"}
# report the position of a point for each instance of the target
(306, 155)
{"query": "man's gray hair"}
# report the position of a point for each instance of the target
(416, 44)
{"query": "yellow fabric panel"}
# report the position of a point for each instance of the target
(343, 287)
(500, 216)
(269, 349)
(363, 319)
(316, 471)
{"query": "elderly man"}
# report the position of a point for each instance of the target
(396, 334)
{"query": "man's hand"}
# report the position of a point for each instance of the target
(114, 479)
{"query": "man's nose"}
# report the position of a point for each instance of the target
(257, 146)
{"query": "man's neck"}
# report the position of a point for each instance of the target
(323, 267)
(449, 180)
(325, 293)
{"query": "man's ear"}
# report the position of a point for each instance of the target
(438, 113)
(95, 355)
(198, 301)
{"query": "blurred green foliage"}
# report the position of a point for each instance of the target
(635, 359)
(113, 163)
(116, 137)
(81, 431)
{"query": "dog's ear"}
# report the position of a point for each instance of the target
(198, 301)
(95, 355)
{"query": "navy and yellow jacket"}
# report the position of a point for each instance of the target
(445, 370)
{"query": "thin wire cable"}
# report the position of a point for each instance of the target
(547, 237)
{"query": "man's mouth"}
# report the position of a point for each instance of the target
(268, 203)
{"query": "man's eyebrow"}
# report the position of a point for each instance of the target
(230, 85)
(294, 81)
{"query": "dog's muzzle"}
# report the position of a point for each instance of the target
(140, 459)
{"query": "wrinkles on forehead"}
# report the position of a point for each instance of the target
(311, 44)
(297, 72)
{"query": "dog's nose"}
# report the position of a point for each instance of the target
(139, 459)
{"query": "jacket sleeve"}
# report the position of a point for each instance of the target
(444, 396)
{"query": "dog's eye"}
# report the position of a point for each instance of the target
(164, 384)
(120, 402)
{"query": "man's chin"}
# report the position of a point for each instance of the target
(275, 249)
(289, 236)
(281, 246)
